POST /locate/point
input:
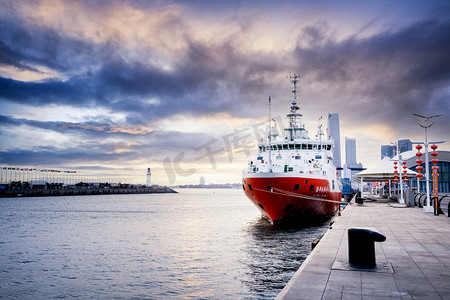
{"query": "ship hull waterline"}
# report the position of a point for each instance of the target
(281, 199)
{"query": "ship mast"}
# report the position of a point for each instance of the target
(270, 135)
(320, 133)
(295, 129)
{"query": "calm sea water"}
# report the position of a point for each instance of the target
(198, 244)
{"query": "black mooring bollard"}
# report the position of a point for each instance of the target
(361, 247)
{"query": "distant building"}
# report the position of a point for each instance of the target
(388, 150)
(334, 134)
(202, 180)
(404, 145)
(149, 177)
(350, 151)
(351, 167)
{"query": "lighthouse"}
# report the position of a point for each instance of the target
(149, 175)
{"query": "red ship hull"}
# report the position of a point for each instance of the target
(279, 198)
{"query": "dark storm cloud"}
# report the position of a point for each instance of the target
(50, 156)
(97, 151)
(23, 45)
(92, 129)
(386, 74)
(389, 69)
(97, 75)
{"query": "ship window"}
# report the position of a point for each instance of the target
(303, 146)
(319, 147)
(314, 146)
(309, 146)
(250, 187)
(332, 181)
(267, 148)
(297, 187)
(291, 147)
(280, 147)
(291, 169)
(306, 181)
(297, 146)
(285, 147)
(243, 187)
(311, 188)
(285, 168)
(329, 147)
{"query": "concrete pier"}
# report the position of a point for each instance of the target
(413, 262)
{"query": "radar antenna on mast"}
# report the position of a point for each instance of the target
(320, 132)
(270, 135)
(295, 128)
(294, 80)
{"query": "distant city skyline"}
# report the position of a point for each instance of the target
(182, 87)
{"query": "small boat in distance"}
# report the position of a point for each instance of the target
(293, 177)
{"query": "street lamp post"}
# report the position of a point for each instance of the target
(427, 207)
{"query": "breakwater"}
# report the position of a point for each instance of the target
(63, 191)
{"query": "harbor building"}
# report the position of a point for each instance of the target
(392, 150)
(202, 180)
(334, 134)
(444, 170)
(388, 151)
(404, 145)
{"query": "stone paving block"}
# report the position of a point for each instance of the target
(387, 293)
(351, 293)
(332, 293)
(436, 247)
(413, 246)
(378, 280)
(306, 294)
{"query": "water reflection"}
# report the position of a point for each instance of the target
(274, 253)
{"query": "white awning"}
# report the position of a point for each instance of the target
(384, 170)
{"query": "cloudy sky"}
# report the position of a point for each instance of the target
(182, 86)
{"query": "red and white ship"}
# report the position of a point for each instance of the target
(293, 177)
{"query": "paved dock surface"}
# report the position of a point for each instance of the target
(414, 261)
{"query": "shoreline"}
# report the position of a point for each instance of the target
(82, 191)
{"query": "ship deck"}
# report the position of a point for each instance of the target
(416, 255)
